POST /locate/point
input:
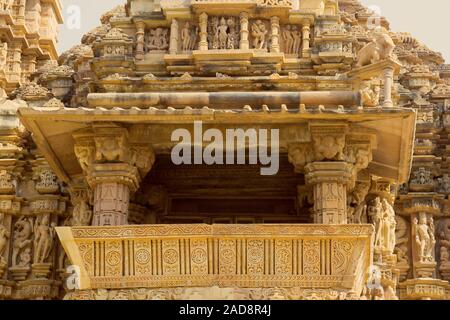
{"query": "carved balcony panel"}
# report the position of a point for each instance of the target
(244, 256)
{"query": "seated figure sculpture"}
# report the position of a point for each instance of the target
(380, 48)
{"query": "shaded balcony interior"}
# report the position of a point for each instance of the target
(221, 194)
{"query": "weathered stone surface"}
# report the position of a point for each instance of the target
(344, 101)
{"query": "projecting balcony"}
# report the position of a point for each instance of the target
(227, 256)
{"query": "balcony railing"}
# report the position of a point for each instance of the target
(245, 256)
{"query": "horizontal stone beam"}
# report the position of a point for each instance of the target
(198, 255)
(223, 99)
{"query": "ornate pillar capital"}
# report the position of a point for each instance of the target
(114, 167)
(331, 162)
(103, 150)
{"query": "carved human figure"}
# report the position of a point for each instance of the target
(186, 37)
(444, 241)
(158, 39)
(297, 39)
(43, 239)
(23, 230)
(259, 33)
(4, 236)
(194, 38)
(329, 147)
(401, 241)
(288, 40)
(232, 41)
(222, 34)
(424, 238)
(376, 215)
(389, 225)
(358, 206)
(370, 95)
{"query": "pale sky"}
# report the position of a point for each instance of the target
(426, 20)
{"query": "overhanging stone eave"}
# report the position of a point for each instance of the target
(39, 122)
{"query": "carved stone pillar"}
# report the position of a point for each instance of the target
(244, 43)
(112, 184)
(331, 162)
(381, 214)
(275, 29)
(306, 34)
(174, 37)
(114, 169)
(423, 236)
(422, 209)
(140, 40)
(203, 23)
(46, 208)
(329, 181)
(388, 83)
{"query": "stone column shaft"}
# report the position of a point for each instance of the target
(388, 83)
(112, 185)
(329, 181)
(275, 28)
(203, 22)
(306, 34)
(114, 169)
(140, 40)
(111, 201)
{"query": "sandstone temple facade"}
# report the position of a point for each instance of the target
(92, 205)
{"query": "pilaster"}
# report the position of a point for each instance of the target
(331, 162)
(275, 34)
(244, 44)
(203, 23)
(140, 40)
